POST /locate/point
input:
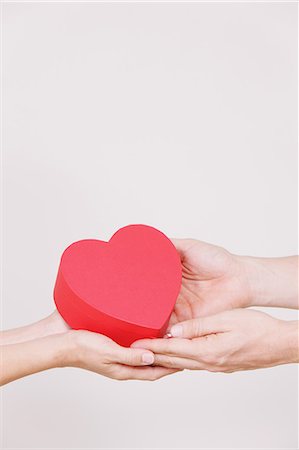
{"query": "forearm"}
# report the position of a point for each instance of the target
(22, 359)
(26, 333)
(272, 281)
(290, 337)
(49, 325)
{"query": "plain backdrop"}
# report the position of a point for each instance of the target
(178, 115)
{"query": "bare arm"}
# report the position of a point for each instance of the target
(52, 324)
(272, 281)
(50, 343)
(26, 358)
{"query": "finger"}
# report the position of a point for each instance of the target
(173, 319)
(133, 356)
(173, 347)
(183, 245)
(200, 327)
(143, 373)
(175, 362)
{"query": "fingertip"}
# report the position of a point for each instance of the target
(148, 358)
(136, 357)
(167, 335)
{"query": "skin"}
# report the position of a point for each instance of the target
(227, 342)
(50, 343)
(213, 333)
(215, 280)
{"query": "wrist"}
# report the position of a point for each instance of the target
(254, 280)
(56, 350)
(69, 351)
(270, 281)
(54, 324)
(289, 335)
(33, 356)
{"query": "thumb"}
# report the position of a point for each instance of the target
(199, 327)
(134, 356)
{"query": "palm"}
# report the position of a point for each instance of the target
(212, 281)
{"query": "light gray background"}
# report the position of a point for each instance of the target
(181, 116)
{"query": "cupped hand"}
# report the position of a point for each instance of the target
(213, 280)
(241, 339)
(100, 354)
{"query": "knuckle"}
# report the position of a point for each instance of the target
(168, 362)
(171, 363)
(164, 361)
(122, 377)
(108, 358)
(208, 358)
(198, 327)
(220, 360)
(117, 376)
(168, 345)
(132, 359)
(152, 377)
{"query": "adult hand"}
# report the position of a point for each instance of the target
(100, 354)
(50, 343)
(227, 342)
(215, 280)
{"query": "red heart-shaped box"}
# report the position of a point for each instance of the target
(125, 288)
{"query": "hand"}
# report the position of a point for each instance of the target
(227, 342)
(214, 280)
(50, 343)
(100, 354)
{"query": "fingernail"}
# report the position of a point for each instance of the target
(148, 358)
(167, 336)
(176, 331)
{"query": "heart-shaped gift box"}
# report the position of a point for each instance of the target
(125, 288)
